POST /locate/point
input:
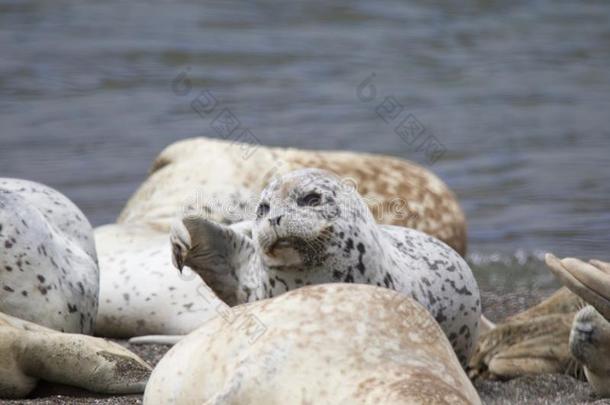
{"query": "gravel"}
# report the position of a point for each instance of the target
(541, 389)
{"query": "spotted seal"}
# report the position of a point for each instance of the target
(398, 192)
(31, 352)
(323, 344)
(310, 230)
(49, 279)
(139, 294)
(135, 295)
(590, 332)
(48, 262)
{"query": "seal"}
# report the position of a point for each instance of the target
(311, 230)
(48, 262)
(139, 294)
(535, 341)
(224, 173)
(49, 276)
(31, 352)
(590, 334)
(324, 344)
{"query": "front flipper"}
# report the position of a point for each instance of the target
(218, 253)
(83, 361)
(531, 346)
(30, 353)
(591, 281)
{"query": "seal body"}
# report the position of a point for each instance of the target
(139, 292)
(48, 260)
(326, 344)
(225, 178)
(309, 230)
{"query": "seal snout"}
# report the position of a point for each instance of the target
(275, 221)
(583, 333)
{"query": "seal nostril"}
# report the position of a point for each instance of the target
(275, 221)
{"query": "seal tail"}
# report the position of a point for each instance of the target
(156, 339)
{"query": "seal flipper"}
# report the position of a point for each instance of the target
(590, 281)
(216, 252)
(31, 352)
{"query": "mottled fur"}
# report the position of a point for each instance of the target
(48, 264)
(139, 292)
(325, 345)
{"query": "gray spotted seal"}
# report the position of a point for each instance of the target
(136, 277)
(310, 230)
(325, 344)
(140, 294)
(48, 260)
(397, 191)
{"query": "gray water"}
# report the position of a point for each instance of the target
(516, 94)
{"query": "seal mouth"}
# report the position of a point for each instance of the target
(280, 243)
(282, 253)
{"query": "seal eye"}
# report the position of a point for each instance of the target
(311, 200)
(262, 210)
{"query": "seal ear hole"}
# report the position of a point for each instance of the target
(262, 210)
(312, 199)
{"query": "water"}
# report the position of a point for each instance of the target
(518, 93)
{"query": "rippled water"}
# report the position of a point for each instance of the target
(517, 93)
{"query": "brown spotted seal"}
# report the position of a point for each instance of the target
(325, 344)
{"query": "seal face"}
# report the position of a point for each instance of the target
(309, 229)
(323, 344)
(48, 262)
